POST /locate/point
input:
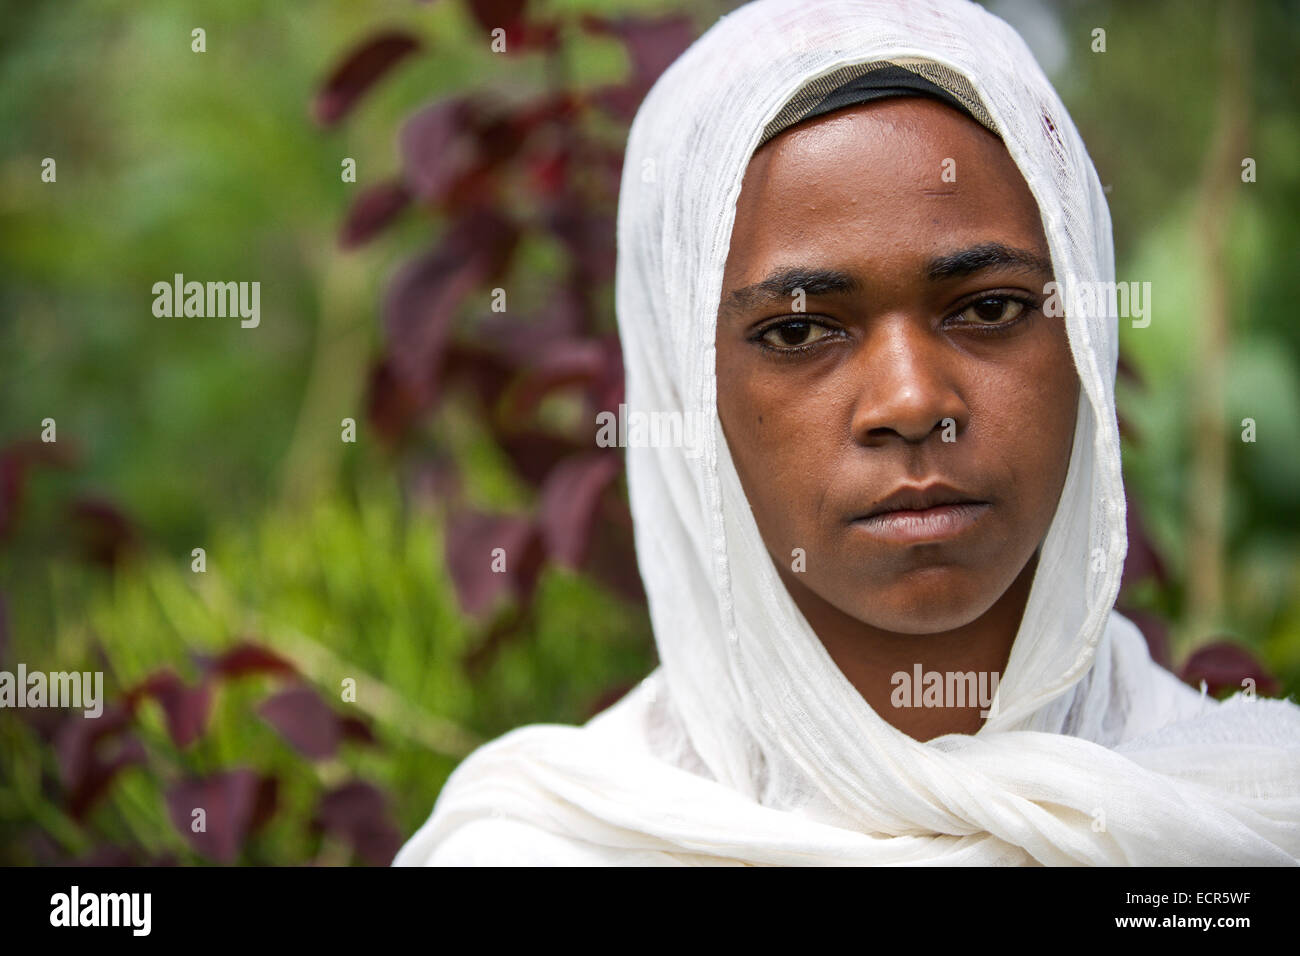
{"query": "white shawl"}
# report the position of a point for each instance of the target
(747, 745)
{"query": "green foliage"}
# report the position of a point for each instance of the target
(342, 590)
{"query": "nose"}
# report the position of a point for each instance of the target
(908, 385)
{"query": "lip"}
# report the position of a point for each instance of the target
(912, 514)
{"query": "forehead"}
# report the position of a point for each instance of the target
(888, 172)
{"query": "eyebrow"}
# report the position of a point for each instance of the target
(987, 255)
(784, 283)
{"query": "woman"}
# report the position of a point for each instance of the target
(839, 228)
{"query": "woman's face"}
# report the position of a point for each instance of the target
(915, 356)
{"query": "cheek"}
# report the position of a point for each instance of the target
(1028, 410)
(779, 450)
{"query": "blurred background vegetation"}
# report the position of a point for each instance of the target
(331, 558)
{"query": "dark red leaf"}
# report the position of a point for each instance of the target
(1141, 561)
(619, 101)
(246, 658)
(612, 558)
(231, 801)
(548, 171)
(91, 751)
(304, 720)
(511, 624)
(560, 364)
(423, 296)
(520, 342)
(434, 478)
(1225, 666)
(392, 405)
(589, 236)
(374, 209)
(185, 708)
(652, 45)
(106, 536)
(491, 14)
(521, 33)
(437, 148)
(16, 461)
(485, 373)
(570, 499)
(357, 812)
(360, 70)
(358, 731)
(535, 453)
(471, 540)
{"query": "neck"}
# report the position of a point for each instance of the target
(870, 658)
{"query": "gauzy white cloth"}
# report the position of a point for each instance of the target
(747, 745)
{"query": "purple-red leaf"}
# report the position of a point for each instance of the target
(357, 730)
(360, 70)
(305, 721)
(16, 460)
(356, 811)
(508, 626)
(1141, 561)
(652, 45)
(589, 236)
(479, 572)
(392, 405)
(434, 478)
(520, 32)
(423, 296)
(91, 751)
(374, 209)
(485, 373)
(105, 534)
(233, 804)
(612, 557)
(437, 149)
(185, 708)
(570, 500)
(246, 658)
(1226, 666)
(535, 453)
(560, 364)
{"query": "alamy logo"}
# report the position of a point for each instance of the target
(945, 689)
(55, 689)
(639, 429)
(1120, 300)
(216, 300)
(102, 909)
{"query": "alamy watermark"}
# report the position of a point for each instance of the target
(945, 689)
(75, 908)
(84, 689)
(211, 300)
(1121, 300)
(637, 429)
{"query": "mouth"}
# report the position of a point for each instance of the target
(914, 514)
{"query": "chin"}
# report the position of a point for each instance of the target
(945, 602)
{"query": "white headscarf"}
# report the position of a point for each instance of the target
(748, 744)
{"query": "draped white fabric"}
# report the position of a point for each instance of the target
(747, 745)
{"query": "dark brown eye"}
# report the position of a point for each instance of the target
(793, 334)
(993, 310)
